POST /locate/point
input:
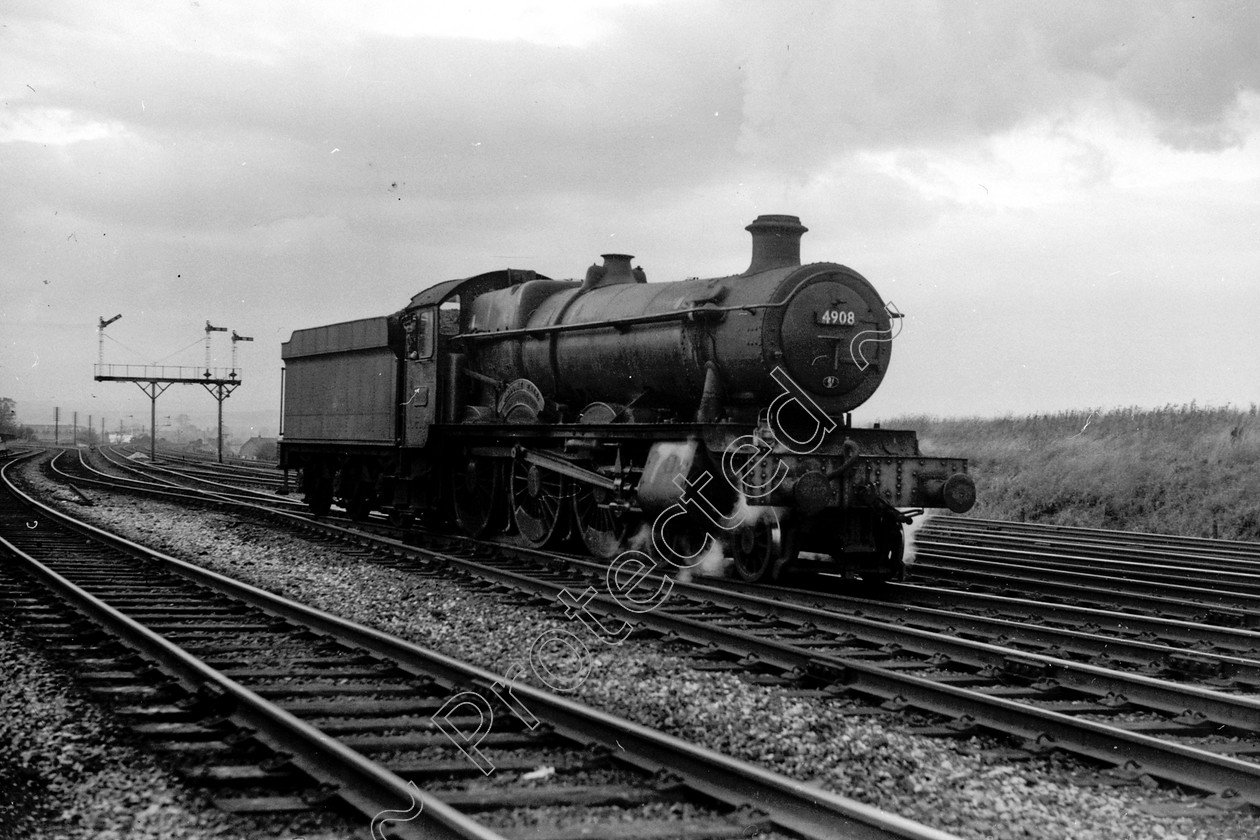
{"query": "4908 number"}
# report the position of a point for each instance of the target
(837, 317)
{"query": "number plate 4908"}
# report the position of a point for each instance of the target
(836, 317)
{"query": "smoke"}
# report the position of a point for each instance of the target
(713, 563)
(910, 533)
(717, 560)
(640, 540)
(747, 515)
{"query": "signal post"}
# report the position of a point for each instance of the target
(155, 379)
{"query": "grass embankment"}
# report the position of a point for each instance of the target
(1175, 470)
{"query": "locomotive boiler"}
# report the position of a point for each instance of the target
(616, 337)
(683, 416)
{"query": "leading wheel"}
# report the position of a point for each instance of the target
(888, 561)
(760, 550)
(538, 503)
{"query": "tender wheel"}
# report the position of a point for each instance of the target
(402, 519)
(318, 488)
(602, 533)
(357, 494)
(478, 493)
(760, 551)
(890, 548)
(538, 504)
(319, 504)
(360, 505)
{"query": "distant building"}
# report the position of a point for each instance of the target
(198, 446)
(48, 432)
(259, 449)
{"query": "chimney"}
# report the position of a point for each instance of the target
(616, 269)
(776, 242)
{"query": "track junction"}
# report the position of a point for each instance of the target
(1120, 667)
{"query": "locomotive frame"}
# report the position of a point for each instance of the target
(514, 403)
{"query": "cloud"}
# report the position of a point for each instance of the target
(448, 117)
(52, 127)
(830, 79)
(280, 165)
(1186, 63)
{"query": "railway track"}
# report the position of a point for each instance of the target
(230, 480)
(74, 468)
(1114, 543)
(294, 706)
(181, 456)
(1176, 732)
(229, 475)
(232, 470)
(1141, 574)
(1138, 702)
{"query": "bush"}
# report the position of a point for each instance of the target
(1173, 470)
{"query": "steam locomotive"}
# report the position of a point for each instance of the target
(676, 418)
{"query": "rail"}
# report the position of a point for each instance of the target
(788, 805)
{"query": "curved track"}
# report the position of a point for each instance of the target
(315, 698)
(1153, 704)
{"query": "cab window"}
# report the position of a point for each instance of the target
(411, 328)
(426, 336)
(448, 316)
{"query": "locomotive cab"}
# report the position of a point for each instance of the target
(420, 376)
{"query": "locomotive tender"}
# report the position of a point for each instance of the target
(698, 411)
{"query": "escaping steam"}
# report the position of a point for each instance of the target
(713, 563)
(910, 533)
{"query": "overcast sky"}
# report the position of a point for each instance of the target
(1063, 197)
